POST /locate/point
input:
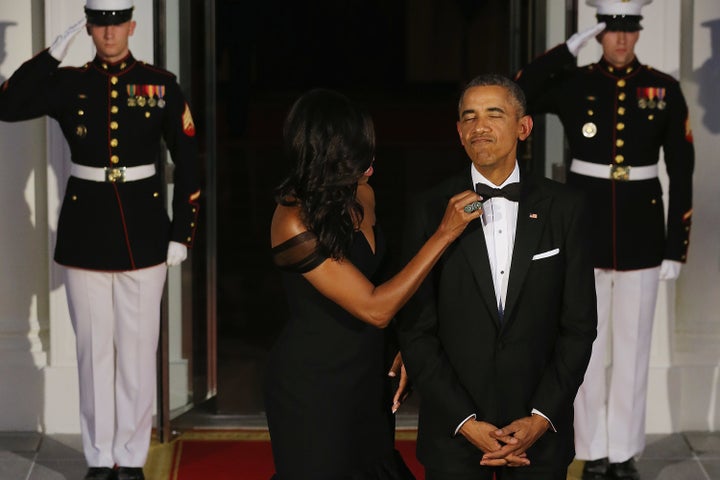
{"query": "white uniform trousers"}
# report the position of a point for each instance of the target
(116, 318)
(610, 422)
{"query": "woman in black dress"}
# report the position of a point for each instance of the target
(328, 396)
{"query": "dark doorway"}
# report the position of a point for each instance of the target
(405, 60)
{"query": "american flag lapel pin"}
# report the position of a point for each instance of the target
(533, 215)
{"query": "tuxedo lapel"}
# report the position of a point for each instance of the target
(472, 243)
(533, 212)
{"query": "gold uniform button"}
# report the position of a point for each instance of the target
(81, 112)
(114, 109)
(113, 80)
(115, 159)
(105, 66)
(189, 239)
(192, 224)
(114, 93)
(619, 142)
(194, 210)
(621, 97)
(590, 113)
(113, 125)
(685, 242)
(621, 111)
(621, 83)
(114, 142)
(611, 68)
(628, 69)
(653, 201)
(651, 117)
(156, 194)
(74, 197)
(147, 114)
(619, 158)
(620, 126)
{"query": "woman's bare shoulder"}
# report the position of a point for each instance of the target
(286, 224)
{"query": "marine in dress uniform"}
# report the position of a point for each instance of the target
(115, 238)
(617, 118)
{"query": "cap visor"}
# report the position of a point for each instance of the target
(108, 17)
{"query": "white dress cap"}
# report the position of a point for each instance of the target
(109, 4)
(618, 7)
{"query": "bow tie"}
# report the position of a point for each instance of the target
(510, 191)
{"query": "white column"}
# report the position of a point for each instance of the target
(23, 261)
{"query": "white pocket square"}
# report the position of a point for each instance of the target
(549, 253)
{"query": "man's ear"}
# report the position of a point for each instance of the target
(526, 125)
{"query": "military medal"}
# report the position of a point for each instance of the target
(141, 100)
(81, 131)
(661, 104)
(150, 89)
(651, 97)
(161, 95)
(589, 130)
(642, 103)
(131, 96)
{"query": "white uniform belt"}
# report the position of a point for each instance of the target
(112, 174)
(613, 172)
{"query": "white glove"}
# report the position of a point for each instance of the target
(577, 40)
(59, 47)
(177, 252)
(670, 269)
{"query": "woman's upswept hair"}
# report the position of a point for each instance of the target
(329, 142)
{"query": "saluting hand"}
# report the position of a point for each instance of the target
(579, 39)
(60, 46)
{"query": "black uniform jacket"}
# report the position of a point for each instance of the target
(113, 115)
(622, 117)
(464, 359)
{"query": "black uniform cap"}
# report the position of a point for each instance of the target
(621, 23)
(108, 17)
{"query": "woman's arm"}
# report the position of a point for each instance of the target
(344, 284)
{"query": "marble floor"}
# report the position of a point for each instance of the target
(33, 456)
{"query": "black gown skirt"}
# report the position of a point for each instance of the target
(327, 393)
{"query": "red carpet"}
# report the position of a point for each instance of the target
(245, 455)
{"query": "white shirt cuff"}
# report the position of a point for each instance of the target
(538, 412)
(473, 416)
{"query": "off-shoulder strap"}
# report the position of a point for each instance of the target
(299, 254)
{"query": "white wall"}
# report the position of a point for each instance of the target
(23, 258)
(697, 348)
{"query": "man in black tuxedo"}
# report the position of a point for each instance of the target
(498, 337)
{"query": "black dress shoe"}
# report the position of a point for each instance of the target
(625, 470)
(596, 469)
(100, 473)
(130, 473)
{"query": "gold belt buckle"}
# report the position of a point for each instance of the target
(115, 174)
(620, 172)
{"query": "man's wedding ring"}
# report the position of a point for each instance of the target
(471, 207)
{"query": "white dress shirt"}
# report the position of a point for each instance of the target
(499, 220)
